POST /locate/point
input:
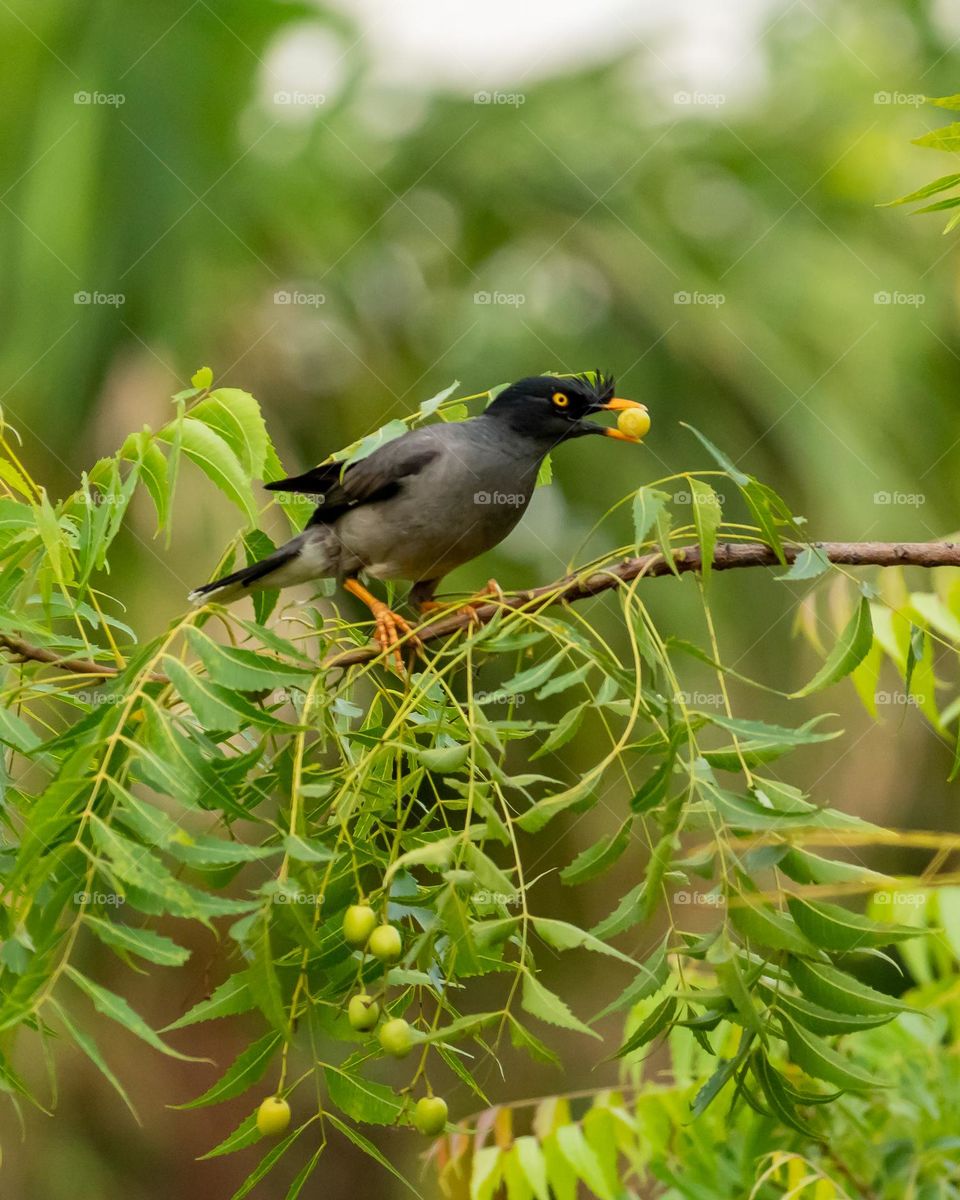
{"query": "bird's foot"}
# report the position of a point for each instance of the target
(470, 608)
(390, 628)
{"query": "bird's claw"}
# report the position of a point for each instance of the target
(390, 627)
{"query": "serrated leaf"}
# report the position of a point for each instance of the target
(851, 648)
(214, 457)
(229, 998)
(89, 1047)
(598, 858)
(835, 928)
(561, 935)
(654, 1024)
(117, 1009)
(364, 1144)
(246, 1069)
(819, 1060)
(765, 926)
(143, 942)
(707, 516)
(809, 563)
(547, 1006)
(648, 504)
(928, 189)
(839, 992)
(361, 1099)
(245, 670)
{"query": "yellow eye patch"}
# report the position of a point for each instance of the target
(560, 399)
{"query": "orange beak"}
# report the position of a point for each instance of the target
(619, 405)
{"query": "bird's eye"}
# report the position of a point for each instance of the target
(560, 399)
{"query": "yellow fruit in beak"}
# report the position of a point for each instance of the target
(634, 422)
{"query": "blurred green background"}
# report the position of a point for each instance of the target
(343, 209)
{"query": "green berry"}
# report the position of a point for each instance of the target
(386, 943)
(395, 1037)
(363, 1012)
(273, 1116)
(359, 921)
(430, 1115)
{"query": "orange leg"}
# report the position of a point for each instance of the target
(492, 589)
(390, 626)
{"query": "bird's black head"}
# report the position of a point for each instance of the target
(554, 408)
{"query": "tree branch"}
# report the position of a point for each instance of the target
(727, 556)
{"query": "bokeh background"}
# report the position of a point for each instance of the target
(345, 207)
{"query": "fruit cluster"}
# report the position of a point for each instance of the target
(363, 931)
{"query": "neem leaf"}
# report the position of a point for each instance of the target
(217, 460)
(541, 1002)
(143, 942)
(850, 650)
(809, 563)
(929, 189)
(246, 1069)
(648, 504)
(840, 992)
(245, 670)
(561, 935)
(947, 138)
(817, 1058)
(837, 928)
(765, 926)
(650, 1028)
(231, 997)
(361, 1099)
(706, 519)
(117, 1009)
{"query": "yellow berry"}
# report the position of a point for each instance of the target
(359, 921)
(363, 1012)
(430, 1115)
(273, 1116)
(386, 943)
(395, 1037)
(634, 422)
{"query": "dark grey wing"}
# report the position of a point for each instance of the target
(376, 477)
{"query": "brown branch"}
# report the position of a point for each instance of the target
(727, 556)
(22, 651)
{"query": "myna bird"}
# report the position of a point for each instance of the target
(430, 500)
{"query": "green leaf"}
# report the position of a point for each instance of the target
(598, 858)
(851, 648)
(820, 1061)
(650, 979)
(707, 516)
(541, 1002)
(651, 1027)
(809, 563)
(762, 925)
(821, 1020)
(364, 1144)
(231, 997)
(244, 669)
(485, 1172)
(117, 1009)
(561, 935)
(581, 1156)
(202, 378)
(777, 1096)
(721, 459)
(143, 942)
(533, 1165)
(89, 1047)
(361, 1099)
(947, 138)
(245, 1134)
(723, 959)
(246, 1069)
(929, 189)
(839, 992)
(235, 416)
(836, 928)
(267, 1163)
(15, 732)
(443, 760)
(648, 504)
(217, 461)
(215, 707)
